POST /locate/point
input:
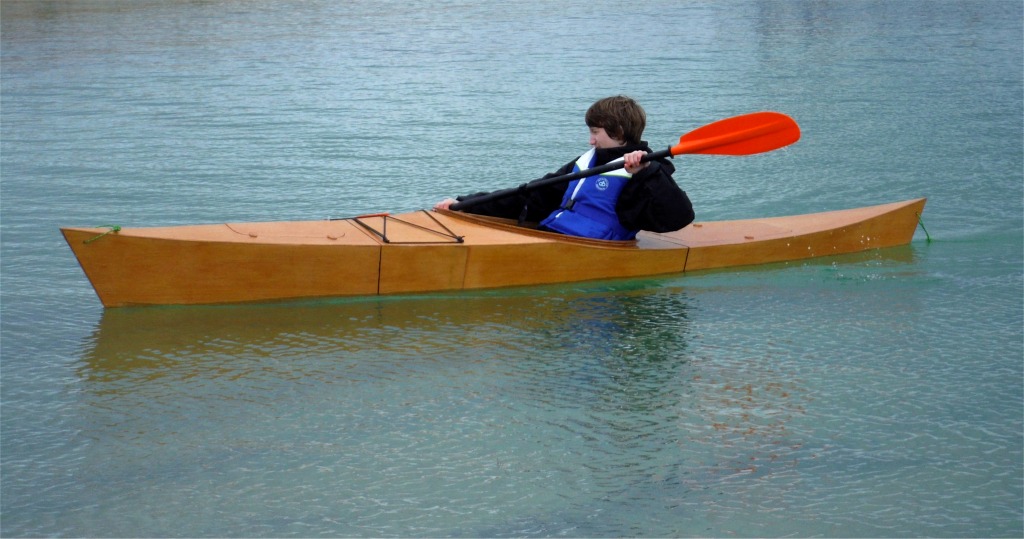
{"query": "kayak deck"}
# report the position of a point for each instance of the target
(721, 244)
(429, 251)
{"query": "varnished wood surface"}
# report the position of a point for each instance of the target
(435, 251)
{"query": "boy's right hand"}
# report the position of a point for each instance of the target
(444, 204)
(632, 161)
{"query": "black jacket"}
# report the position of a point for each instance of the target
(651, 199)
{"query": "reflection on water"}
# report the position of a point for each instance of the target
(421, 401)
(428, 401)
(445, 325)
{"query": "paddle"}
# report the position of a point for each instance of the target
(748, 134)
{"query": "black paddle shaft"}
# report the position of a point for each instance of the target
(544, 182)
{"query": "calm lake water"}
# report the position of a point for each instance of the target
(878, 394)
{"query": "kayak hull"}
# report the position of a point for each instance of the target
(441, 251)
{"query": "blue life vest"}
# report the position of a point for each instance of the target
(588, 207)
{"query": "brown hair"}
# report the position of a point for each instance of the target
(620, 116)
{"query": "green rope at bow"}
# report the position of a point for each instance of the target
(920, 221)
(113, 228)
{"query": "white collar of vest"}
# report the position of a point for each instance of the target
(583, 163)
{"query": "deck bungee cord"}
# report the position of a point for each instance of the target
(447, 234)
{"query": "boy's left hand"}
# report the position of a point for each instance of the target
(633, 164)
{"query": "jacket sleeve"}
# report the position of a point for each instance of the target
(539, 202)
(653, 201)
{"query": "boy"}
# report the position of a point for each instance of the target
(614, 205)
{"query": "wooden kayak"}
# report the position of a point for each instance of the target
(427, 251)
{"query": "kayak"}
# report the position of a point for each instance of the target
(440, 250)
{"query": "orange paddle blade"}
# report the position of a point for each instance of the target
(748, 134)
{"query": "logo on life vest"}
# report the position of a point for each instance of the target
(602, 184)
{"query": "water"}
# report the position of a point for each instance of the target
(877, 394)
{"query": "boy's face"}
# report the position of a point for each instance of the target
(600, 139)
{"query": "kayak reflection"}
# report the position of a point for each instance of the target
(630, 320)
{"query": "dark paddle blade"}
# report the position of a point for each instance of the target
(748, 134)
